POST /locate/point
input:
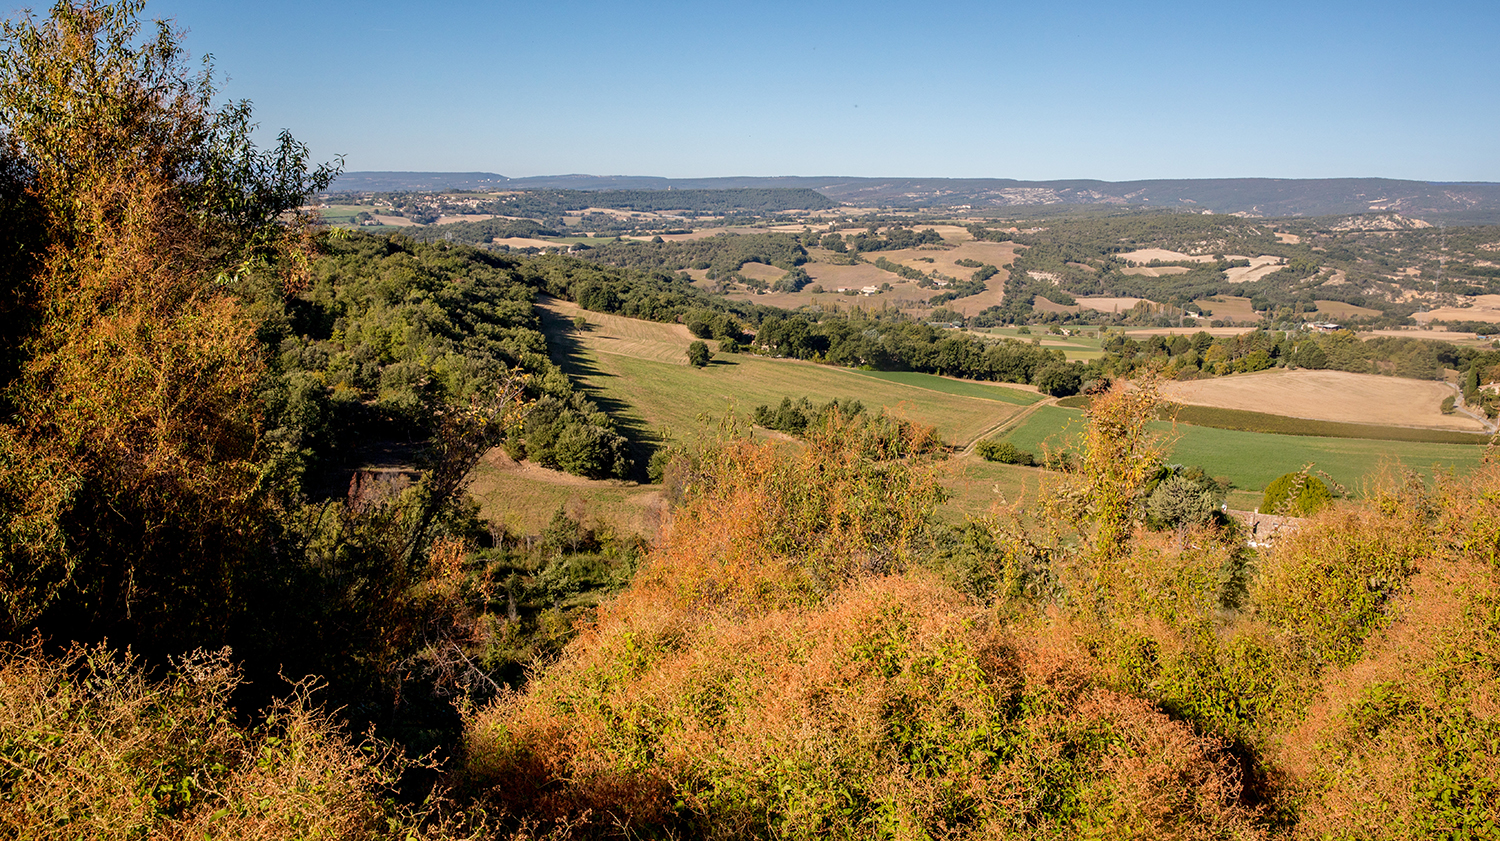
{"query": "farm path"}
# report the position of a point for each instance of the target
(1008, 423)
(1462, 408)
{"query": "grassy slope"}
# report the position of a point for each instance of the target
(1253, 459)
(630, 369)
(962, 388)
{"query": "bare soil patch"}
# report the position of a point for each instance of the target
(1327, 395)
(1291, 239)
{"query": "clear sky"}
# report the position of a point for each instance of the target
(1038, 90)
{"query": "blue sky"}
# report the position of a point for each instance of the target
(1110, 90)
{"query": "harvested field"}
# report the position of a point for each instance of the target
(1137, 332)
(1291, 239)
(701, 234)
(468, 217)
(1044, 305)
(528, 242)
(1468, 339)
(860, 274)
(615, 334)
(1259, 267)
(1485, 308)
(761, 271)
(1108, 304)
(1229, 307)
(394, 221)
(1155, 271)
(1327, 395)
(1146, 255)
(1339, 309)
(945, 260)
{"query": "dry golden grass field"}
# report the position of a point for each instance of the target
(526, 242)
(1146, 255)
(1463, 339)
(616, 334)
(1229, 307)
(1339, 309)
(1485, 308)
(832, 277)
(1155, 271)
(761, 271)
(1327, 395)
(1043, 305)
(468, 217)
(1216, 332)
(1259, 267)
(1111, 305)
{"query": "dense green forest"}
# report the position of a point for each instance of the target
(199, 637)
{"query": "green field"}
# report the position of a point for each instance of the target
(1252, 459)
(1081, 348)
(962, 388)
(656, 395)
(1246, 421)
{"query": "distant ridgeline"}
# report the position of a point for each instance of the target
(1455, 203)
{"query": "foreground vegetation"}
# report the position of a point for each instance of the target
(806, 651)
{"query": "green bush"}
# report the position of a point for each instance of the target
(699, 354)
(1296, 495)
(1003, 452)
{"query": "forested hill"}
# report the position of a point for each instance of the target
(1474, 202)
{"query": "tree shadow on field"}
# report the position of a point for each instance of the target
(567, 350)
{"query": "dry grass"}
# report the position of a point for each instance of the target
(1482, 308)
(1259, 267)
(93, 750)
(618, 335)
(1102, 304)
(761, 271)
(1156, 271)
(1146, 255)
(1327, 395)
(1230, 307)
(748, 686)
(1339, 309)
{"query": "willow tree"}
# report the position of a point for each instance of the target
(131, 468)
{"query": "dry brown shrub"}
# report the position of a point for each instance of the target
(892, 707)
(1326, 586)
(1402, 735)
(90, 748)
